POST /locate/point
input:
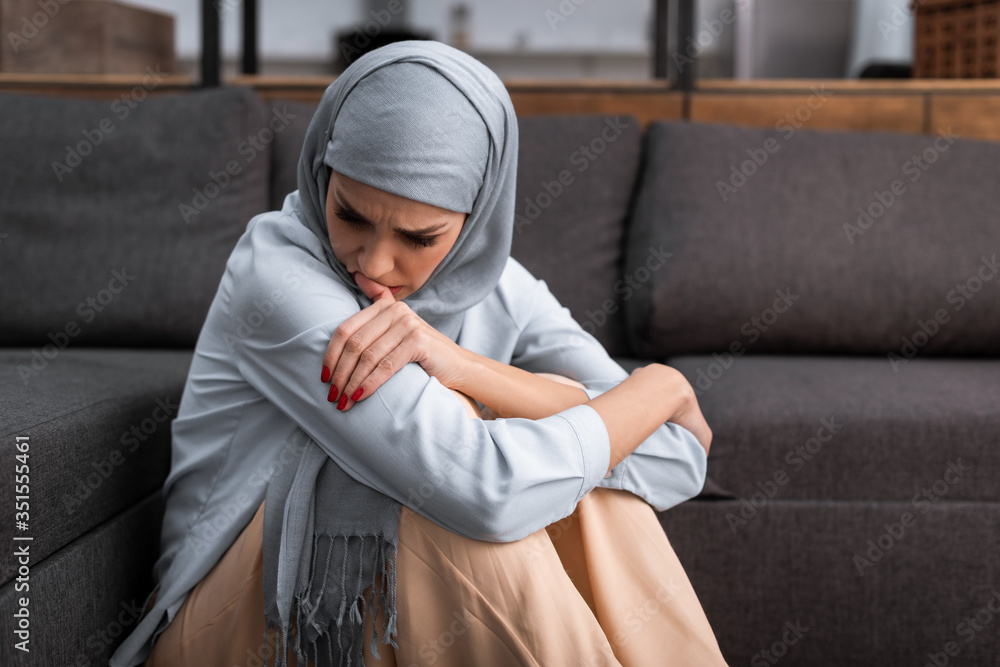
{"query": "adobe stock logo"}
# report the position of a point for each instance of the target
(630, 283)
(968, 629)
(30, 27)
(581, 158)
(88, 310)
(913, 168)
(218, 181)
(895, 531)
(122, 108)
(758, 157)
(791, 634)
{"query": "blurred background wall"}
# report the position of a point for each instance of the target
(567, 39)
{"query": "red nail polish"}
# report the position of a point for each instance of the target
(357, 394)
(325, 376)
(332, 396)
(343, 402)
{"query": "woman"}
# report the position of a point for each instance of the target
(290, 509)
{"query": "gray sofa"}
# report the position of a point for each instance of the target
(846, 359)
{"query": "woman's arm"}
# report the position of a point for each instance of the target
(512, 392)
(411, 439)
(669, 466)
(638, 407)
(664, 463)
(373, 344)
(632, 411)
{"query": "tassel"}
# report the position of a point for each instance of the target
(298, 636)
(343, 580)
(267, 638)
(313, 628)
(284, 646)
(312, 565)
(390, 590)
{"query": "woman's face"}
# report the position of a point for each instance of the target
(391, 240)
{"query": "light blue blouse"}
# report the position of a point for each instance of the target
(253, 396)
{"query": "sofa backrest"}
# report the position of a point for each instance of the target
(118, 217)
(287, 149)
(576, 176)
(790, 240)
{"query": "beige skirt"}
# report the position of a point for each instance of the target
(601, 587)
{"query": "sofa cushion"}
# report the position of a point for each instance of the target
(813, 242)
(287, 149)
(119, 216)
(98, 429)
(849, 428)
(804, 571)
(87, 597)
(575, 179)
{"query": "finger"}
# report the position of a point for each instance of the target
(380, 362)
(343, 332)
(382, 295)
(369, 384)
(375, 291)
(395, 348)
(377, 363)
(350, 356)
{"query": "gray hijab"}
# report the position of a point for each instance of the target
(428, 122)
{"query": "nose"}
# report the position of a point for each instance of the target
(376, 260)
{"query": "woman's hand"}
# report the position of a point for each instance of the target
(689, 413)
(370, 346)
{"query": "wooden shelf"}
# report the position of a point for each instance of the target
(884, 86)
(266, 84)
(969, 107)
(647, 100)
(99, 86)
(612, 85)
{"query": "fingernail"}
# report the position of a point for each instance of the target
(343, 402)
(332, 396)
(356, 395)
(325, 377)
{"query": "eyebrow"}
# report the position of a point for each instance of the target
(350, 210)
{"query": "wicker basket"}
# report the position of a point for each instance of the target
(957, 38)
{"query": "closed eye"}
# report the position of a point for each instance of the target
(355, 220)
(350, 217)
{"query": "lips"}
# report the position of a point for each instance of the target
(371, 288)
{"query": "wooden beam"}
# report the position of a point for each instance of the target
(971, 107)
(90, 86)
(812, 110)
(972, 116)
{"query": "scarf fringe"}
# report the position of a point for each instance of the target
(315, 625)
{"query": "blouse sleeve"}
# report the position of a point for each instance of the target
(412, 440)
(669, 467)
